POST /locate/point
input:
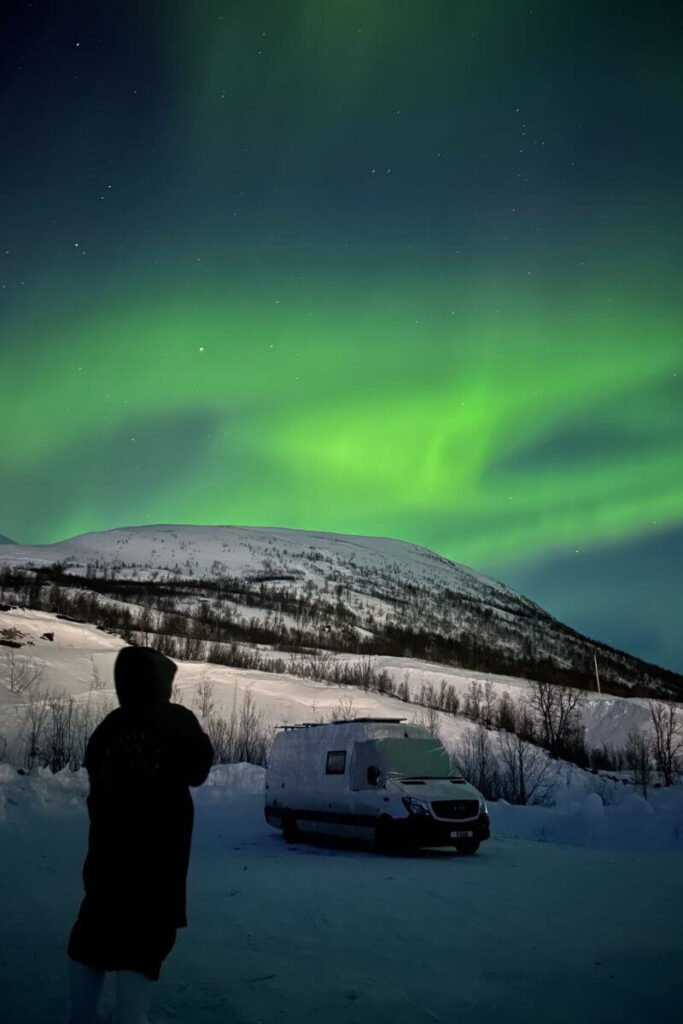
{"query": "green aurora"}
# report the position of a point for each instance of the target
(351, 269)
(335, 415)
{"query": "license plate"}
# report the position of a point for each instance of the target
(461, 835)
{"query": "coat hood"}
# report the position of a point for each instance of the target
(143, 677)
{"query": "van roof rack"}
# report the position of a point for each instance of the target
(338, 721)
(344, 721)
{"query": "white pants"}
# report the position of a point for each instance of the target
(133, 991)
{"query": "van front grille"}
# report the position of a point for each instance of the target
(456, 809)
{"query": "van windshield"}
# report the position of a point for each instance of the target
(413, 758)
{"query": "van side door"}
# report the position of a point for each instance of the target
(367, 797)
(336, 816)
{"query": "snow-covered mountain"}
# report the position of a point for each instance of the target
(382, 596)
(211, 552)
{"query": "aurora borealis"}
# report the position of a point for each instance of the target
(366, 266)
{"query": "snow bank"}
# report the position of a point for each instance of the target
(633, 823)
(66, 791)
(232, 782)
(579, 818)
(40, 790)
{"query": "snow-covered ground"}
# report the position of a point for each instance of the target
(569, 913)
(527, 931)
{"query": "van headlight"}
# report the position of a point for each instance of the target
(483, 809)
(417, 807)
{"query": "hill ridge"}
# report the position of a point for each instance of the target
(340, 591)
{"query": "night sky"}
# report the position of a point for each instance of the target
(409, 269)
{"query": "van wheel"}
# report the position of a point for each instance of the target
(290, 829)
(467, 846)
(385, 836)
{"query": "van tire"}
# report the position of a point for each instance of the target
(290, 829)
(467, 846)
(385, 835)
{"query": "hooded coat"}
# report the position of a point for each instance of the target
(141, 760)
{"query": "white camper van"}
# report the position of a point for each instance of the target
(376, 779)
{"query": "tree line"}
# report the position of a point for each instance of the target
(197, 612)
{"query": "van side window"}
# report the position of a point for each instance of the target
(336, 762)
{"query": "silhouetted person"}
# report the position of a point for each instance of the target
(141, 759)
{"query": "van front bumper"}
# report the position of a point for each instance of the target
(424, 830)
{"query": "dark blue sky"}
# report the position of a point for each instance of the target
(380, 268)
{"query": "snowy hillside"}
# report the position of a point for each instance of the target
(292, 589)
(78, 658)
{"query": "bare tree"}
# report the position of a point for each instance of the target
(667, 741)
(205, 703)
(506, 717)
(402, 691)
(145, 625)
(57, 729)
(474, 701)
(428, 718)
(252, 736)
(33, 728)
(489, 703)
(524, 768)
(96, 680)
(637, 753)
(477, 759)
(448, 698)
(22, 673)
(84, 727)
(61, 733)
(343, 710)
(362, 673)
(318, 665)
(316, 716)
(164, 644)
(191, 648)
(525, 721)
(427, 696)
(556, 708)
(222, 739)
